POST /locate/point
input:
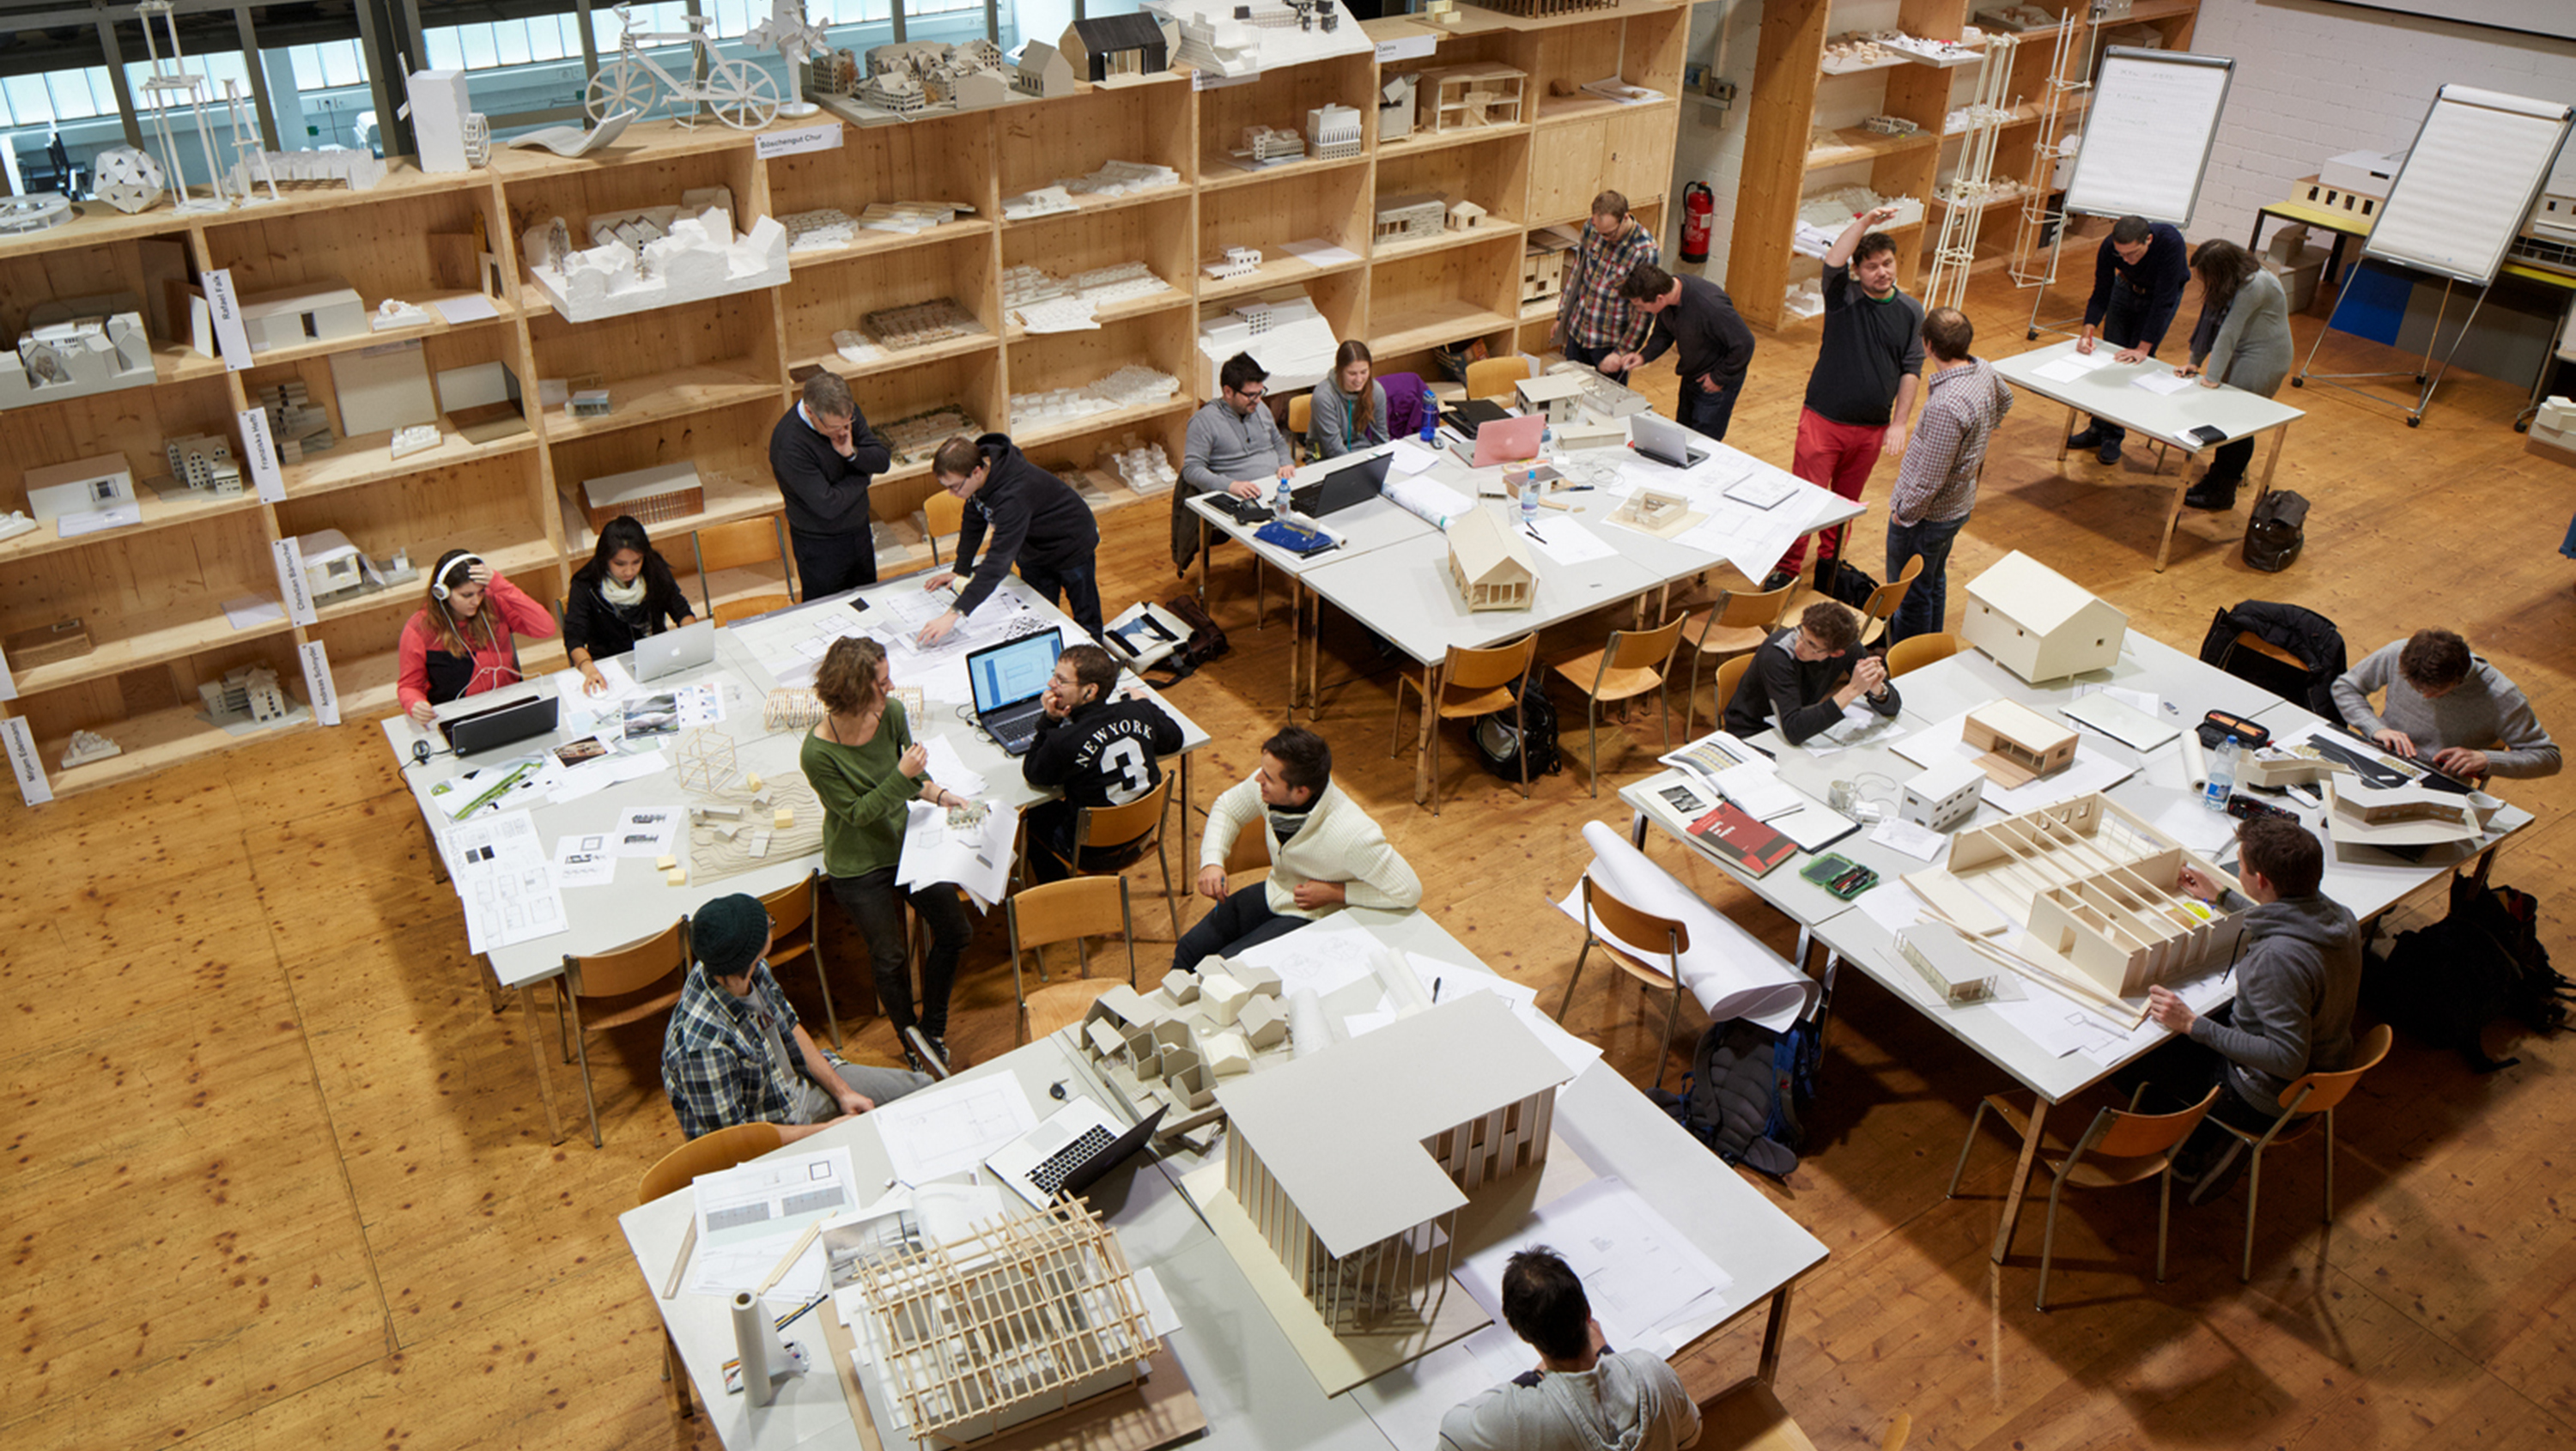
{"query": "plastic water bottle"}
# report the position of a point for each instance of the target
(1529, 500)
(1279, 501)
(2222, 775)
(1430, 420)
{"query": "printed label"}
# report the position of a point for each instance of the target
(23, 762)
(225, 309)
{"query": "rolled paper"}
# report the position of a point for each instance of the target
(2195, 766)
(756, 1342)
(1310, 1028)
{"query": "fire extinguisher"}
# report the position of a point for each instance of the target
(1699, 208)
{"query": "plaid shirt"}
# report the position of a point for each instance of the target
(715, 1059)
(1594, 313)
(1938, 479)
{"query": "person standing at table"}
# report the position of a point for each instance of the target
(2243, 341)
(1584, 1395)
(1594, 318)
(1808, 675)
(1861, 393)
(1233, 446)
(2138, 278)
(623, 594)
(1936, 482)
(823, 455)
(2447, 704)
(1348, 412)
(1038, 522)
(464, 639)
(1097, 751)
(1325, 853)
(1716, 347)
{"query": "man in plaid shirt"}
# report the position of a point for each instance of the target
(1593, 321)
(1936, 484)
(735, 1053)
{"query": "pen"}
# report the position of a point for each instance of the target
(1534, 534)
(1435, 989)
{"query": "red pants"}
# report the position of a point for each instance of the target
(1837, 456)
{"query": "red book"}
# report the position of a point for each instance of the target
(1737, 838)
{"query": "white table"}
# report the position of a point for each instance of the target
(2110, 393)
(1255, 1390)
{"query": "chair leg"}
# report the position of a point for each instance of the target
(1664, 709)
(1592, 737)
(1579, 958)
(1171, 904)
(581, 1045)
(1965, 1145)
(1395, 732)
(1520, 733)
(563, 1039)
(822, 975)
(2329, 1166)
(2253, 1193)
(2164, 1215)
(1672, 1015)
(1690, 700)
(2048, 1235)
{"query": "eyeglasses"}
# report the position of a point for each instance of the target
(1251, 395)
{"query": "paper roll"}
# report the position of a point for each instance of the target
(2195, 766)
(756, 1341)
(1310, 1028)
(1402, 985)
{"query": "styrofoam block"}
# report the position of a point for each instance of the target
(1222, 997)
(1228, 1054)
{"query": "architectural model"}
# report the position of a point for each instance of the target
(39, 213)
(16, 522)
(1116, 47)
(2039, 624)
(1145, 469)
(77, 347)
(1247, 37)
(915, 438)
(1465, 216)
(797, 41)
(1543, 268)
(1122, 178)
(920, 324)
(248, 694)
(1133, 386)
(910, 218)
(332, 565)
(1651, 511)
(79, 487)
(327, 312)
(1395, 107)
(706, 761)
(1220, 45)
(2402, 816)
(126, 179)
(1332, 132)
(313, 170)
(1412, 215)
(1540, 9)
(791, 710)
(654, 495)
(1265, 144)
(1490, 563)
(452, 135)
(1471, 95)
(2018, 744)
(1602, 398)
(1943, 794)
(88, 746)
(205, 464)
(1281, 329)
(1558, 396)
(1237, 262)
(570, 141)
(394, 313)
(171, 84)
(1045, 201)
(1167, 1049)
(929, 75)
(413, 438)
(1955, 971)
(1042, 72)
(694, 258)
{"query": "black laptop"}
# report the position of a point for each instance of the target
(1353, 483)
(501, 725)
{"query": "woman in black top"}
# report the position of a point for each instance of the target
(625, 593)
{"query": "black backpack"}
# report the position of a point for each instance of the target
(1746, 1091)
(1205, 643)
(1839, 579)
(2277, 532)
(1498, 740)
(2444, 983)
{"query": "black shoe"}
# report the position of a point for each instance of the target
(2109, 452)
(2221, 1175)
(2217, 500)
(925, 1053)
(2091, 437)
(1779, 579)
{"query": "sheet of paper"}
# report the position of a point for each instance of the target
(2159, 381)
(1411, 457)
(1320, 252)
(115, 516)
(463, 308)
(620, 686)
(2196, 826)
(1757, 790)
(954, 1127)
(501, 874)
(1566, 541)
(1638, 1271)
(251, 610)
(584, 860)
(977, 858)
(2074, 365)
(648, 831)
(750, 1216)
(1915, 841)
(948, 768)
(2051, 1020)
(1320, 959)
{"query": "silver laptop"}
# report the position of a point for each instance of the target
(673, 651)
(1664, 441)
(1068, 1152)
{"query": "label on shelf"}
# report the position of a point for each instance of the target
(23, 761)
(8, 682)
(317, 683)
(289, 557)
(261, 454)
(224, 307)
(1411, 47)
(824, 136)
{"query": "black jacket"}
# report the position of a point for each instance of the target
(1036, 518)
(592, 623)
(2303, 632)
(1799, 692)
(1106, 753)
(825, 493)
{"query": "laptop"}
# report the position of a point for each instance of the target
(1353, 483)
(1068, 1153)
(1664, 441)
(477, 731)
(1468, 415)
(1505, 441)
(1010, 681)
(673, 651)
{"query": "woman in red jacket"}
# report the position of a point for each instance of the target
(462, 641)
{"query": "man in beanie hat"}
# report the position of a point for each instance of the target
(735, 1053)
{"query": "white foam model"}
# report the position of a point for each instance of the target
(125, 178)
(1234, 38)
(88, 746)
(414, 438)
(1333, 132)
(1281, 330)
(77, 347)
(573, 140)
(1119, 178)
(393, 312)
(698, 258)
(1043, 202)
(827, 227)
(79, 487)
(440, 112)
(324, 313)
(248, 693)
(356, 170)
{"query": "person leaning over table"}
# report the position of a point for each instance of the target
(1233, 446)
(2446, 703)
(1716, 346)
(822, 455)
(1595, 321)
(464, 638)
(1936, 482)
(1348, 412)
(1584, 1396)
(1038, 523)
(866, 770)
(735, 1052)
(2138, 278)
(2243, 341)
(1808, 675)
(623, 594)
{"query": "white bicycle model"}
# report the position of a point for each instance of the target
(741, 94)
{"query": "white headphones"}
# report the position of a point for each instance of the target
(439, 589)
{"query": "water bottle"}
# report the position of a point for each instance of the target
(1279, 501)
(1529, 500)
(1547, 441)
(2222, 775)
(1430, 420)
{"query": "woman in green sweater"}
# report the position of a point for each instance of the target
(866, 770)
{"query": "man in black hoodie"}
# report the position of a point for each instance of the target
(1098, 751)
(2297, 976)
(1808, 675)
(1038, 522)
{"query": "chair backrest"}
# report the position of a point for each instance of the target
(634, 967)
(1301, 414)
(944, 512)
(1747, 609)
(1064, 911)
(744, 609)
(1494, 377)
(1637, 649)
(706, 1154)
(2318, 1092)
(1884, 599)
(1483, 669)
(1919, 651)
(1123, 825)
(1729, 676)
(790, 907)
(1250, 852)
(740, 545)
(2136, 1135)
(1639, 929)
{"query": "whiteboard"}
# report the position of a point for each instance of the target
(2476, 168)
(2148, 133)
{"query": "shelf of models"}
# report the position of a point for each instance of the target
(729, 448)
(1154, 234)
(335, 418)
(1442, 297)
(1088, 457)
(894, 310)
(155, 715)
(914, 410)
(490, 506)
(944, 161)
(1641, 49)
(1474, 21)
(1071, 383)
(631, 198)
(1142, 125)
(134, 424)
(1484, 187)
(1172, 299)
(143, 599)
(98, 294)
(1317, 226)
(865, 243)
(1279, 101)
(659, 365)
(407, 248)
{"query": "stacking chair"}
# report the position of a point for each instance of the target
(944, 513)
(2303, 1104)
(2124, 1147)
(739, 546)
(1634, 662)
(1882, 601)
(1642, 929)
(705, 1154)
(1066, 911)
(1920, 651)
(791, 923)
(1494, 377)
(1136, 825)
(622, 974)
(1248, 860)
(1301, 416)
(1729, 676)
(1470, 683)
(1736, 625)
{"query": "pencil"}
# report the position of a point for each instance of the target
(688, 1242)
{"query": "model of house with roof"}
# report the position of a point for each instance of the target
(331, 312)
(2039, 624)
(2017, 745)
(1490, 564)
(1352, 1163)
(1943, 794)
(1107, 48)
(1559, 396)
(1395, 108)
(82, 486)
(1043, 71)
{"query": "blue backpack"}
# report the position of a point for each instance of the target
(1745, 1092)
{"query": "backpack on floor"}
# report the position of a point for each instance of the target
(1746, 1091)
(2444, 983)
(1838, 579)
(1206, 642)
(2277, 532)
(1499, 741)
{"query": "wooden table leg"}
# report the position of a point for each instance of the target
(1774, 1330)
(2064, 434)
(1422, 743)
(2173, 516)
(2271, 461)
(536, 1049)
(2020, 1178)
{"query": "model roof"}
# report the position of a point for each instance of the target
(2036, 597)
(1104, 33)
(1481, 542)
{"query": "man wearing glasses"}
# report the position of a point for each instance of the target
(1233, 446)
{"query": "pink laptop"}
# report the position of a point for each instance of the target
(1505, 441)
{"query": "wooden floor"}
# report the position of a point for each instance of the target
(279, 1175)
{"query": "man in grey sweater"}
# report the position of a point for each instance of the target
(1584, 1396)
(1233, 446)
(2298, 974)
(2447, 704)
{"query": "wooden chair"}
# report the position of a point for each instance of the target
(1137, 824)
(1066, 911)
(1634, 662)
(1494, 377)
(943, 513)
(1729, 676)
(744, 545)
(1642, 929)
(1736, 625)
(791, 923)
(1470, 683)
(1920, 651)
(1301, 416)
(2125, 1147)
(2304, 1104)
(705, 1154)
(1882, 601)
(1248, 860)
(623, 973)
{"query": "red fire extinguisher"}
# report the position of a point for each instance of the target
(1699, 208)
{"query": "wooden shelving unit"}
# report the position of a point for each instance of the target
(705, 382)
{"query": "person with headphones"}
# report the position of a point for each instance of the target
(625, 593)
(464, 640)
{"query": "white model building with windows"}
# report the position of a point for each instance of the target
(326, 313)
(248, 693)
(204, 463)
(1332, 132)
(77, 347)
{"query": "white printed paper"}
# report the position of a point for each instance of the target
(948, 768)
(1915, 841)
(501, 875)
(648, 831)
(584, 861)
(1640, 1273)
(2157, 381)
(952, 1128)
(749, 1217)
(251, 611)
(97, 521)
(1320, 959)
(977, 858)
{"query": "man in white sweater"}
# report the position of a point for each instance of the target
(1325, 853)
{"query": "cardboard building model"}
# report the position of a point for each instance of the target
(1559, 396)
(2402, 816)
(323, 313)
(1112, 46)
(1490, 564)
(2039, 624)
(2019, 745)
(81, 486)
(1043, 71)
(1943, 794)
(1472, 95)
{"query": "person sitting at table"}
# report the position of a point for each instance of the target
(2298, 974)
(1325, 853)
(1098, 751)
(2138, 277)
(1584, 1396)
(1038, 522)
(1348, 412)
(2447, 704)
(464, 639)
(735, 1052)
(866, 769)
(2241, 340)
(625, 593)
(1232, 446)
(1808, 675)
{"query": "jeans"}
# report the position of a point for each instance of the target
(2120, 323)
(827, 564)
(2227, 466)
(1075, 584)
(876, 904)
(1591, 358)
(1242, 920)
(1927, 604)
(882, 1086)
(1836, 456)
(1707, 414)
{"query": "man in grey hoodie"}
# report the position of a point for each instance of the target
(2448, 706)
(1584, 1396)
(2297, 975)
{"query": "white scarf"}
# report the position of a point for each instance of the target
(629, 595)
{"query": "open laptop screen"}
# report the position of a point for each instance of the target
(1016, 670)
